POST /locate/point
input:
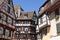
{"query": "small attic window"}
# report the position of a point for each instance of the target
(25, 15)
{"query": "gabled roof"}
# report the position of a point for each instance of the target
(42, 9)
(29, 15)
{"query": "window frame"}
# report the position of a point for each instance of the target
(57, 14)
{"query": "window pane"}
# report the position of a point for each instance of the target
(44, 19)
(25, 16)
(58, 28)
(57, 14)
(39, 20)
(1, 30)
(0, 16)
(8, 1)
(7, 32)
(19, 22)
(9, 20)
(25, 22)
(8, 9)
(26, 29)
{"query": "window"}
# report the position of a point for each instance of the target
(32, 35)
(52, 2)
(58, 28)
(12, 21)
(45, 31)
(8, 1)
(9, 20)
(34, 18)
(16, 13)
(4, 17)
(0, 15)
(18, 29)
(9, 33)
(8, 9)
(25, 22)
(33, 22)
(3, 31)
(19, 22)
(26, 29)
(43, 19)
(57, 14)
(25, 16)
(20, 14)
(39, 21)
(25, 36)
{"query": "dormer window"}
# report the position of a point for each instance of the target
(25, 16)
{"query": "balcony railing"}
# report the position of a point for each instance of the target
(25, 25)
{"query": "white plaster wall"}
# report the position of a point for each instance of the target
(53, 29)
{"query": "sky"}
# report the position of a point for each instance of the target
(29, 5)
